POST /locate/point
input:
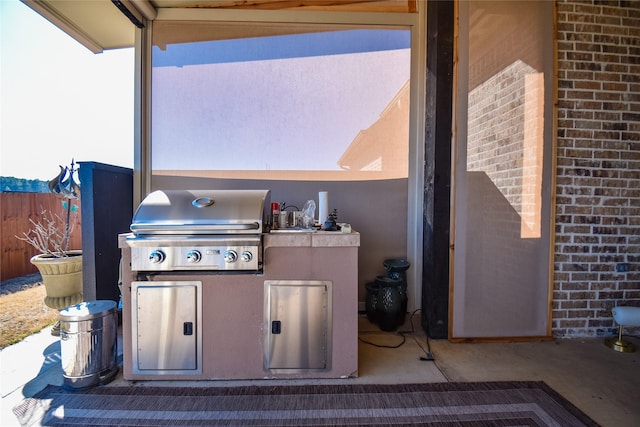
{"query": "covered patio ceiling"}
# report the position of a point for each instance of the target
(110, 24)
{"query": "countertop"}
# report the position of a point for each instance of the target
(316, 239)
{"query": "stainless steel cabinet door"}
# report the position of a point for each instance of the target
(166, 327)
(297, 320)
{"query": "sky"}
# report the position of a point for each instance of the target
(58, 100)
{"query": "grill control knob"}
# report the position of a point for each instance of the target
(194, 257)
(230, 256)
(246, 256)
(156, 257)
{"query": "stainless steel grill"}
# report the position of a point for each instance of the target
(199, 230)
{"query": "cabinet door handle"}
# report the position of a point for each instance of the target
(187, 328)
(276, 327)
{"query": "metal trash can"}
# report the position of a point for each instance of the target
(88, 343)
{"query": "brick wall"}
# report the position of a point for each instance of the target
(598, 165)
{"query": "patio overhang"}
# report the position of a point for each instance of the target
(111, 24)
(98, 25)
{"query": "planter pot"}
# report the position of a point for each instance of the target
(62, 278)
(390, 303)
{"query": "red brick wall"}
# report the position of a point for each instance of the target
(598, 165)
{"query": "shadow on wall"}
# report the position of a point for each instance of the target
(507, 285)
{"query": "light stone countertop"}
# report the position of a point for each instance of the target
(316, 239)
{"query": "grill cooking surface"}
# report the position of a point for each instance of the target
(199, 230)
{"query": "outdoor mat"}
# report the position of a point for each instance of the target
(433, 404)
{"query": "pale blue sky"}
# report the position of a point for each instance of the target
(58, 100)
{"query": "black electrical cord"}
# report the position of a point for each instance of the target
(399, 333)
(428, 354)
(404, 339)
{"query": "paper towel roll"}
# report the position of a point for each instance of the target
(323, 206)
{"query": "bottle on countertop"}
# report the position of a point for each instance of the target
(275, 215)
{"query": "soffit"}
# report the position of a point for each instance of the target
(400, 6)
(99, 25)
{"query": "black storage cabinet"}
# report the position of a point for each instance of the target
(106, 196)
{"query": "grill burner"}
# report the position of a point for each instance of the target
(197, 230)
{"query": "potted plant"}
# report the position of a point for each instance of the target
(61, 268)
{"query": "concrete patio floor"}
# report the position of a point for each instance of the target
(601, 382)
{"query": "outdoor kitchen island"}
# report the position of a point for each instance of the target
(297, 318)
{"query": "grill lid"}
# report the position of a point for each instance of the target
(189, 212)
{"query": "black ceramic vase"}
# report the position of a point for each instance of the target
(396, 269)
(389, 303)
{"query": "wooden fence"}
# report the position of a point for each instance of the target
(16, 210)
